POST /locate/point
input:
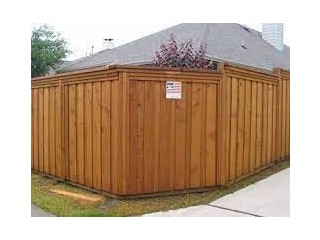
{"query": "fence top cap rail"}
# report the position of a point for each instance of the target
(274, 71)
(123, 68)
(221, 67)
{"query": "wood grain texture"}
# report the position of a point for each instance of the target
(264, 124)
(35, 123)
(106, 136)
(114, 129)
(66, 130)
(211, 136)
(269, 125)
(196, 136)
(259, 126)
(240, 134)
(88, 134)
(52, 140)
(253, 128)
(72, 133)
(96, 135)
(40, 130)
(247, 125)
(58, 131)
(148, 137)
(164, 164)
(80, 135)
(180, 135)
(46, 144)
(115, 135)
(234, 129)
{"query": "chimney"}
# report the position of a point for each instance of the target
(273, 34)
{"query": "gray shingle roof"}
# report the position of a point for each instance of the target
(224, 43)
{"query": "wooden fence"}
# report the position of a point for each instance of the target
(113, 129)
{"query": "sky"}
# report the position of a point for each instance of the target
(81, 36)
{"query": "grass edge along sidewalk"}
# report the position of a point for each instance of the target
(46, 194)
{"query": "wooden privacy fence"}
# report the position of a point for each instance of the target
(113, 130)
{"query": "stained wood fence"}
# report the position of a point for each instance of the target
(113, 129)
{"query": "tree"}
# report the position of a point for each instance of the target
(184, 56)
(48, 49)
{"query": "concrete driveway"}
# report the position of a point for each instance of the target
(37, 212)
(269, 197)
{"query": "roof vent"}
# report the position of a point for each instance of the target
(273, 34)
(242, 44)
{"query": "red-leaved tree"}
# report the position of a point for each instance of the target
(183, 56)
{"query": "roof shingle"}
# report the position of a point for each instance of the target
(224, 43)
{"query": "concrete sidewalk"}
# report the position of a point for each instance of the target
(269, 197)
(37, 212)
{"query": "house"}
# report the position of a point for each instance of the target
(226, 42)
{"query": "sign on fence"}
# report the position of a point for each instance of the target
(173, 90)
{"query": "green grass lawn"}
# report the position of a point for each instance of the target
(67, 206)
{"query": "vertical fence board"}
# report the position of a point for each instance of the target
(140, 134)
(164, 144)
(283, 119)
(226, 131)
(32, 129)
(264, 124)
(58, 118)
(105, 136)
(80, 134)
(196, 135)
(274, 123)
(36, 129)
(46, 156)
(157, 96)
(269, 131)
(247, 135)
(96, 135)
(259, 126)
(203, 102)
(133, 126)
(41, 116)
(115, 136)
(241, 108)
(253, 129)
(66, 133)
(52, 166)
(180, 135)
(234, 128)
(188, 134)
(288, 120)
(211, 135)
(72, 133)
(88, 134)
(149, 134)
(171, 140)
(279, 120)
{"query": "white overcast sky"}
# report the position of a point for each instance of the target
(82, 35)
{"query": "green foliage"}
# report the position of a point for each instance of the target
(67, 206)
(48, 49)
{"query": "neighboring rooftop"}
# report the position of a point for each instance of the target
(229, 42)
